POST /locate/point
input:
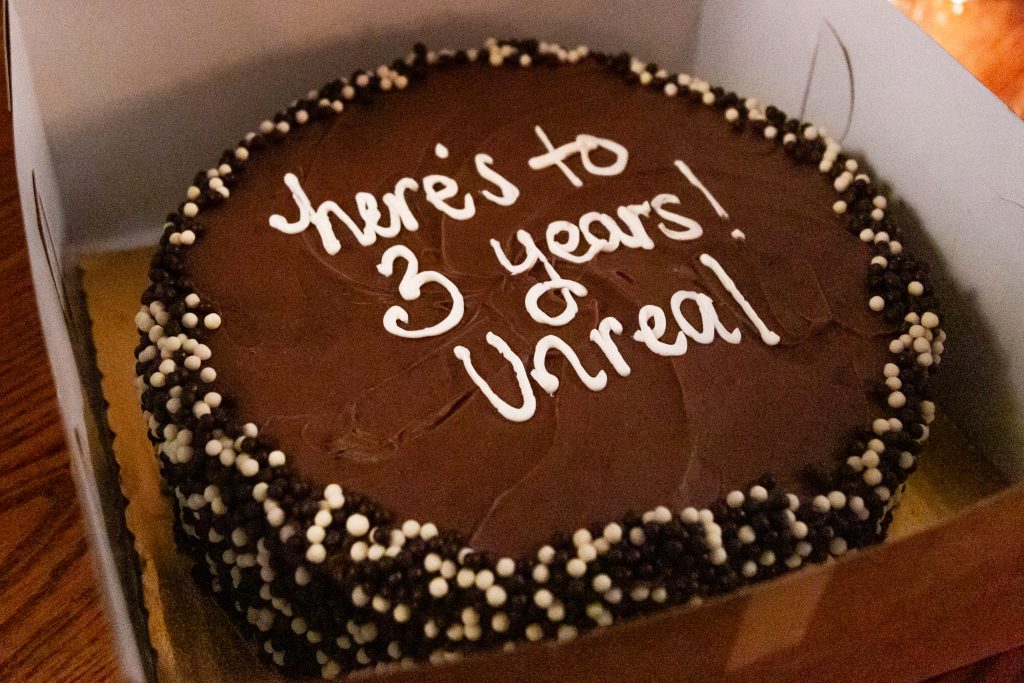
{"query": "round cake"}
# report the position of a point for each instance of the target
(501, 345)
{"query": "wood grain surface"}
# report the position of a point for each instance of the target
(52, 626)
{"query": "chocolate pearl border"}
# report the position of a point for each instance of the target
(327, 581)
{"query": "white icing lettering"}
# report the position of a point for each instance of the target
(606, 244)
(509, 192)
(508, 411)
(440, 188)
(583, 145)
(555, 281)
(708, 319)
(652, 327)
(533, 254)
(695, 181)
(637, 237)
(567, 287)
(366, 205)
(547, 381)
(767, 336)
(398, 206)
(563, 247)
(602, 336)
(693, 229)
(409, 289)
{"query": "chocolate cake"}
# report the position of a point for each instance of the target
(500, 345)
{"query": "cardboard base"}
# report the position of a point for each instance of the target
(194, 640)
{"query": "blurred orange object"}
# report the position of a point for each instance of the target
(986, 36)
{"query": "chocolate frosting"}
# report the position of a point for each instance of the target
(304, 354)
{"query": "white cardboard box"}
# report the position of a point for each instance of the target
(115, 106)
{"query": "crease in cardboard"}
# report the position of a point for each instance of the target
(50, 252)
(777, 620)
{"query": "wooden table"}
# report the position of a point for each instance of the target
(52, 626)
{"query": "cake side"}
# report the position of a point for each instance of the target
(328, 575)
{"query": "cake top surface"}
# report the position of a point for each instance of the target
(308, 358)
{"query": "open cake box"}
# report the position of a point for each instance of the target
(116, 105)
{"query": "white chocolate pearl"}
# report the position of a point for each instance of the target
(401, 613)
(930, 320)
(191, 210)
(495, 596)
(334, 497)
(506, 566)
(576, 567)
(580, 538)
(484, 579)
(543, 598)
(897, 400)
(915, 288)
(211, 321)
(276, 459)
(249, 467)
(357, 525)
(734, 499)
(612, 533)
(438, 587)
(837, 499)
(839, 206)
(873, 476)
(315, 534)
(465, 578)
(323, 518)
(428, 531)
(316, 553)
(207, 374)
